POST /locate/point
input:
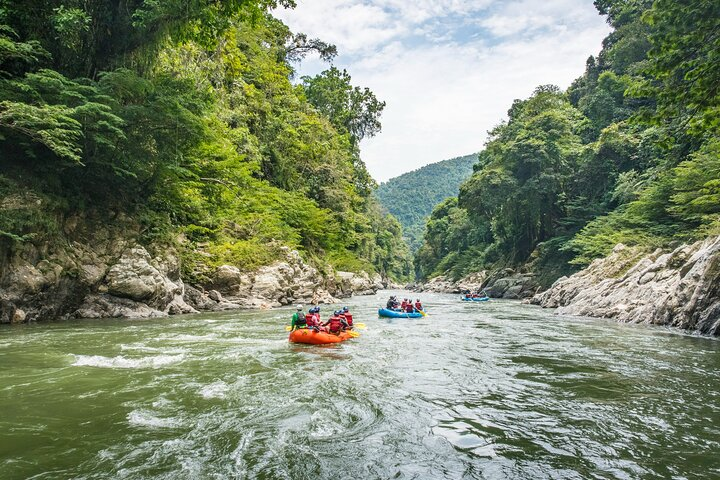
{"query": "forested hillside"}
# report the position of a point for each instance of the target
(629, 153)
(412, 196)
(183, 117)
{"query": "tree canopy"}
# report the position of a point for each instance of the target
(183, 116)
(627, 154)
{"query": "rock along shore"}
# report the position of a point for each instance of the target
(101, 273)
(679, 288)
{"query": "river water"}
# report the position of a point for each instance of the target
(497, 390)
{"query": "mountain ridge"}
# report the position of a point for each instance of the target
(432, 184)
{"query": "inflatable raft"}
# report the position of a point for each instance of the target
(384, 312)
(476, 299)
(304, 335)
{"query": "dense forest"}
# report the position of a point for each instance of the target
(412, 196)
(188, 118)
(629, 153)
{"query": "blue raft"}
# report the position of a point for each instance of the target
(477, 299)
(384, 312)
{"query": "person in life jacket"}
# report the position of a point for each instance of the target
(403, 305)
(312, 318)
(336, 323)
(298, 319)
(390, 303)
(347, 316)
(409, 308)
(418, 305)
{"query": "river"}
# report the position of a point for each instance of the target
(497, 390)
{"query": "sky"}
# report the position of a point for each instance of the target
(447, 69)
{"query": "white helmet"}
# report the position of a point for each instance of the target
(299, 307)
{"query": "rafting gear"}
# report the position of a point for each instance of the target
(384, 312)
(314, 337)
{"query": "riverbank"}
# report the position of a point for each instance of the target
(678, 288)
(106, 272)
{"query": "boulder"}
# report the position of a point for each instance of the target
(133, 277)
(289, 280)
(679, 288)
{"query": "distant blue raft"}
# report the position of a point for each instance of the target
(476, 299)
(384, 312)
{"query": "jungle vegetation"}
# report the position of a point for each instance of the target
(186, 116)
(629, 153)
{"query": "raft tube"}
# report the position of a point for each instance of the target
(478, 299)
(384, 312)
(304, 335)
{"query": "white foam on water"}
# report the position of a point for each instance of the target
(145, 418)
(322, 426)
(214, 390)
(141, 347)
(4, 345)
(183, 337)
(124, 362)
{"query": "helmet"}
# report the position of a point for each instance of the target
(346, 309)
(299, 307)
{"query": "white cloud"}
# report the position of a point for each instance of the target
(448, 69)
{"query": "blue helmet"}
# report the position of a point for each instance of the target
(346, 309)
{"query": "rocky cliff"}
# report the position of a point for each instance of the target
(105, 271)
(679, 288)
(505, 283)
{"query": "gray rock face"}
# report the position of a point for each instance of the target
(284, 282)
(500, 284)
(97, 272)
(362, 283)
(103, 272)
(442, 284)
(680, 288)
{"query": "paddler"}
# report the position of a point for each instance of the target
(348, 317)
(335, 323)
(298, 319)
(312, 319)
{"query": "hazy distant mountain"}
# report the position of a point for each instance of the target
(412, 196)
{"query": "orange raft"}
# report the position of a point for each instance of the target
(304, 335)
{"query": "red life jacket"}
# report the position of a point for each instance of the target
(312, 319)
(335, 324)
(348, 317)
(418, 306)
(409, 308)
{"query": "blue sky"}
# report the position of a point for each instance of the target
(448, 69)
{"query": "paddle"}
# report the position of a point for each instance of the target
(361, 326)
(353, 334)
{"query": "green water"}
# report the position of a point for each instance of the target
(496, 390)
